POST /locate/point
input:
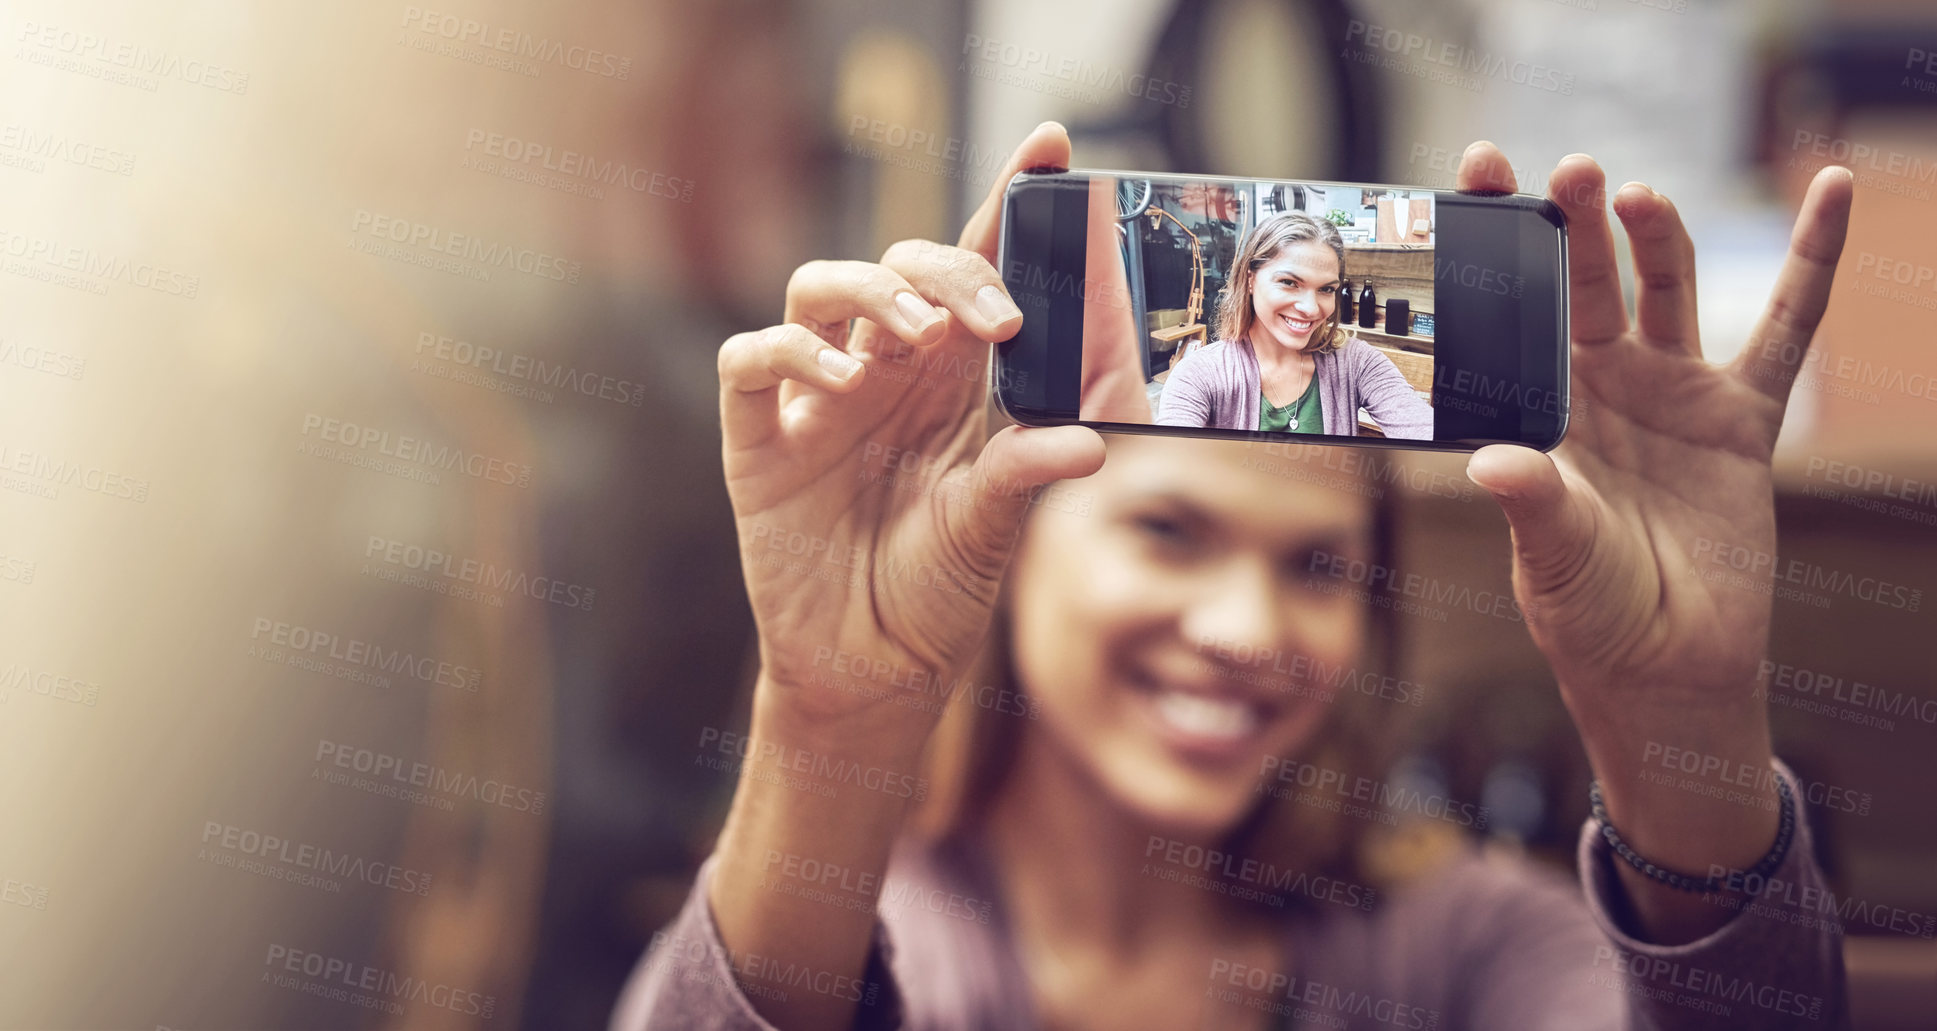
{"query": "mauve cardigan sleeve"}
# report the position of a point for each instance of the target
(1487, 945)
(1777, 963)
(1369, 380)
(1194, 388)
(687, 979)
(1527, 965)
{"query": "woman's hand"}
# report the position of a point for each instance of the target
(1665, 470)
(875, 518)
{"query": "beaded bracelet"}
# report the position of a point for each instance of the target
(1785, 833)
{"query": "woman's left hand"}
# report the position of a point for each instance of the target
(1629, 538)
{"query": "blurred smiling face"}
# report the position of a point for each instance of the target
(1293, 293)
(1162, 632)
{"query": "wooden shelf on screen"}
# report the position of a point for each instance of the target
(1377, 336)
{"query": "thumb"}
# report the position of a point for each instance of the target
(1002, 482)
(1046, 146)
(1550, 531)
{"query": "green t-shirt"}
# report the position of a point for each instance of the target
(1301, 416)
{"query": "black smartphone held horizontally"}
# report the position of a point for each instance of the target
(1254, 308)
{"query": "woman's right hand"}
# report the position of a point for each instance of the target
(875, 517)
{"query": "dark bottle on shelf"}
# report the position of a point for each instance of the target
(1346, 311)
(1368, 307)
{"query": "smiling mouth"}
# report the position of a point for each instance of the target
(1299, 327)
(1203, 722)
(1219, 719)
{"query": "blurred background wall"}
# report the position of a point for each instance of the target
(366, 579)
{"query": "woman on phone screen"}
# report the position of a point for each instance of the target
(1131, 815)
(1282, 361)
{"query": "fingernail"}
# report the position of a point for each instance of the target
(919, 313)
(840, 363)
(995, 305)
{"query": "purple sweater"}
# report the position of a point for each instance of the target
(1217, 386)
(1484, 943)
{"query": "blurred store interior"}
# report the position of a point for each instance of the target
(831, 128)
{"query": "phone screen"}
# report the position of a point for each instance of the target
(1262, 308)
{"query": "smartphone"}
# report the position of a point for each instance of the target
(1340, 313)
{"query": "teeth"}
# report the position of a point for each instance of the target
(1297, 325)
(1206, 717)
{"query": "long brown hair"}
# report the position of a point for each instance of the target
(1263, 243)
(975, 746)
